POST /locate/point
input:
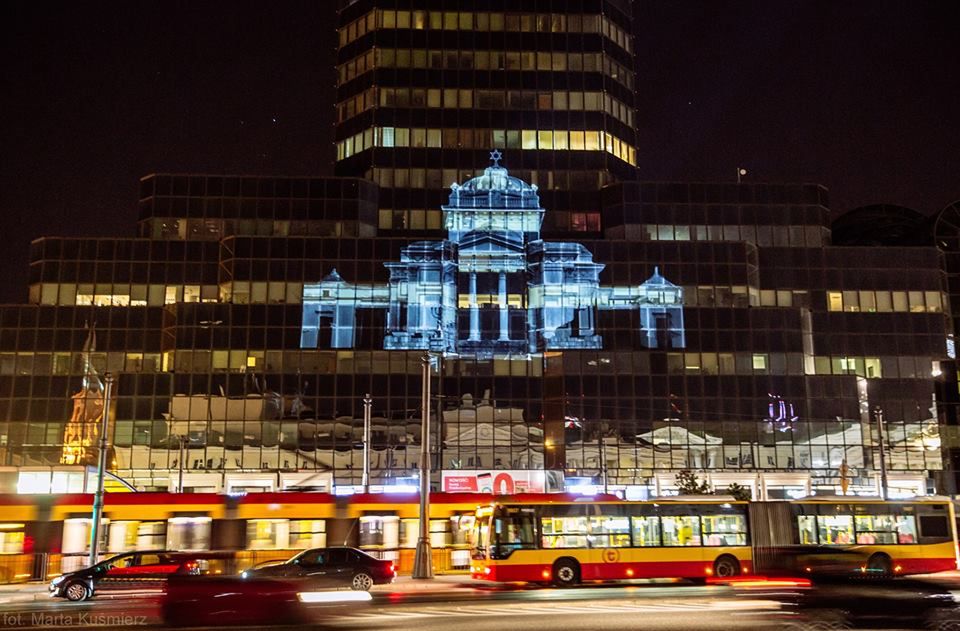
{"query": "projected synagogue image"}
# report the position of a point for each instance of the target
(494, 286)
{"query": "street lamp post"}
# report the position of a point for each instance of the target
(603, 459)
(878, 412)
(181, 454)
(101, 471)
(367, 419)
(423, 561)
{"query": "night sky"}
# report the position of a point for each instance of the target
(863, 97)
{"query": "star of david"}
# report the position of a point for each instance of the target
(495, 157)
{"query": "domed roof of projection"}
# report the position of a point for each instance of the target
(495, 189)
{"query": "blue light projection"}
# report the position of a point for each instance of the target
(492, 287)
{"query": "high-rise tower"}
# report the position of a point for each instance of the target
(427, 88)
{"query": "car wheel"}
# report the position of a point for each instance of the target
(76, 591)
(880, 565)
(362, 582)
(566, 573)
(726, 567)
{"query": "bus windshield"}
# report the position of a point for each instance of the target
(513, 529)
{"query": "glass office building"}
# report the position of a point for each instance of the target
(584, 327)
(708, 326)
(426, 89)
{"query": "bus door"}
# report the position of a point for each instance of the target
(480, 544)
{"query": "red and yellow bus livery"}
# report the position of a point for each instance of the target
(566, 543)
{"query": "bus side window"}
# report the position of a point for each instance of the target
(724, 530)
(934, 526)
(646, 530)
(808, 529)
(906, 529)
(681, 531)
(836, 529)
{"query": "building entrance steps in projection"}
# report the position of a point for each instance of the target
(492, 287)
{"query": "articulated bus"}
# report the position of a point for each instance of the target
(569, 542)
(917, 536)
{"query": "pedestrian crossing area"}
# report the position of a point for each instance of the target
(541, 608)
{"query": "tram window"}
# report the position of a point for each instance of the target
(835, 529)
(188, 533)
(681, 531)
(724, 530)
(11, 538)
(308, 533)
(462, 528)
(808, 529)
(383, 531)
(151, 535)
(646, 531)
(874, 529)
(268, 534)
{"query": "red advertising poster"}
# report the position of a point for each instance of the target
(494, 482)
(460, 484)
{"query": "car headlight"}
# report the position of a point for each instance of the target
(58, 580)
(243, 574)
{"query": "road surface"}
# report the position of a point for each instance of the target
(473, 608)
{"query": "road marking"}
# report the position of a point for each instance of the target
(540, 609)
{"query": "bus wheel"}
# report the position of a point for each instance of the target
(880, 565)
(566, 573)
(726, 566)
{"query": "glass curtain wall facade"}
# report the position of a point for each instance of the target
(585, 327)
(789, 346)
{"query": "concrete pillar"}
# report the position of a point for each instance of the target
(474, 309)
(504, 308)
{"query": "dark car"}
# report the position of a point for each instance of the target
(128, 571)
(330, 567)
(217, 600)
(872, 603)
(809, 561)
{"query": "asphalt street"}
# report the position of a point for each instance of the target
(479, 609)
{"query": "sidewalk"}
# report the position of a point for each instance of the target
(23, 592)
